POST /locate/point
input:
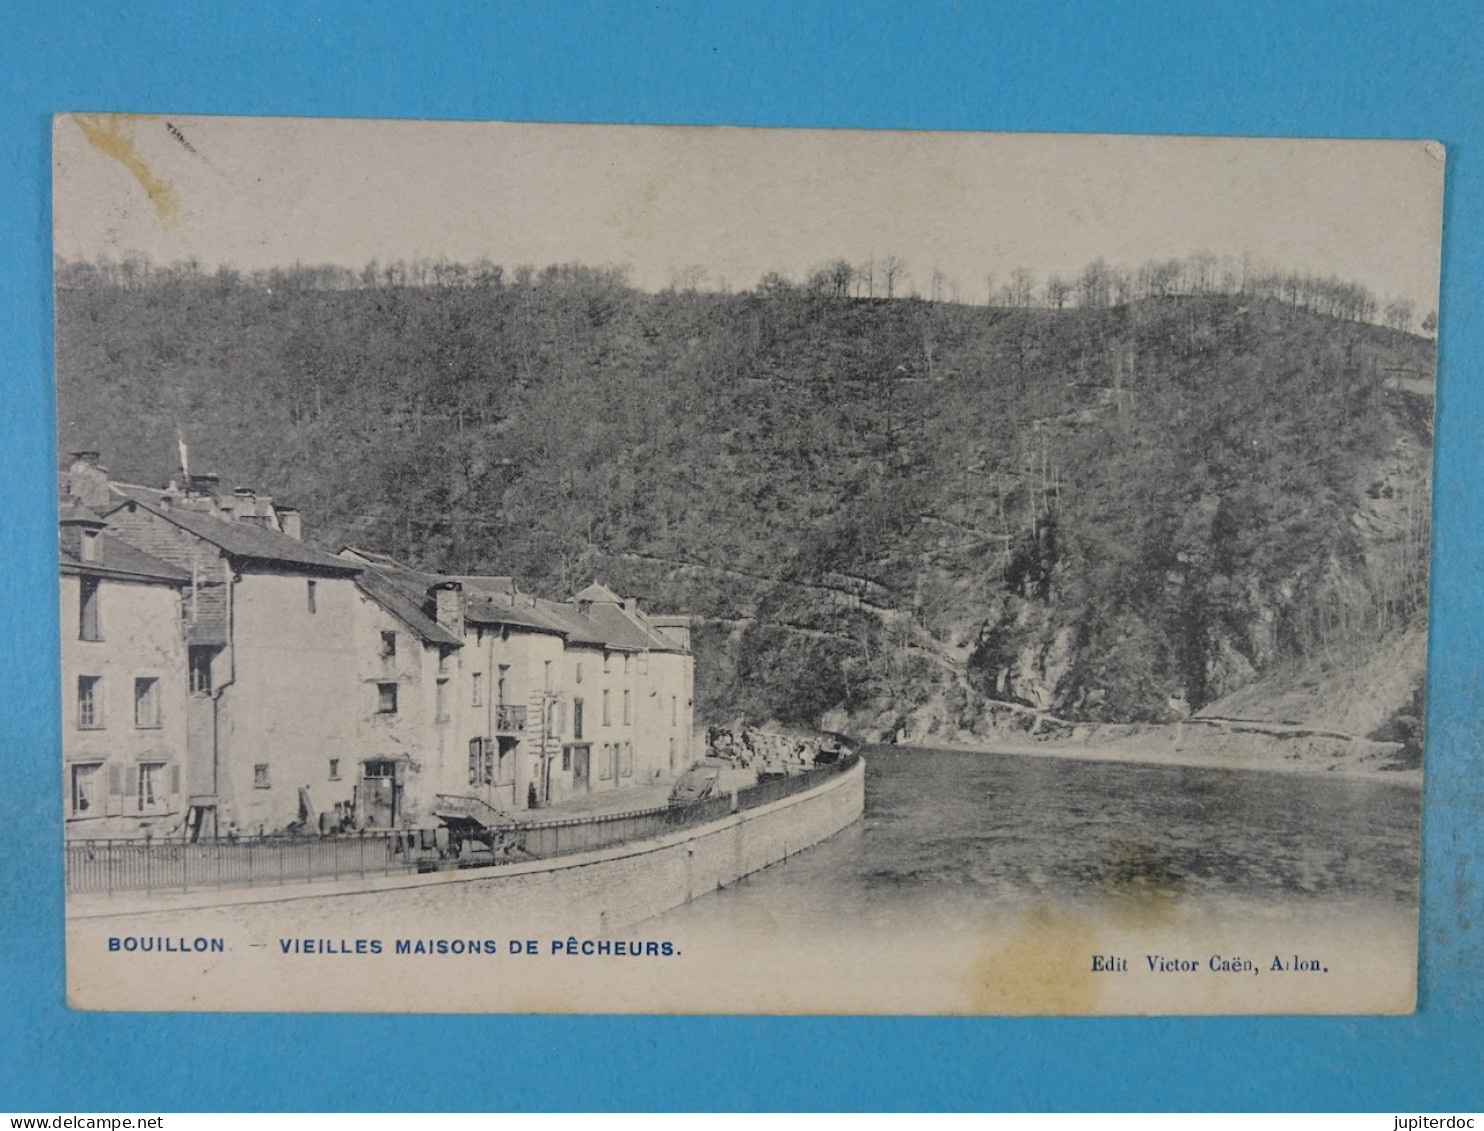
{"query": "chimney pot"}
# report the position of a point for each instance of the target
(449, 601)
(88, 480)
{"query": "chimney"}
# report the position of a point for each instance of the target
(291, 523)
(254, 509)
(88, 480)
(206, 484)
(80, 534)
(449, 597)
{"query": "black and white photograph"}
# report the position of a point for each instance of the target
(554, 568)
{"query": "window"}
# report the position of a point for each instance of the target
(578, 673)
(380, 768)
(334, 769)
(566, 759)
(625, 663)
(260, 776)
(500, 688)
(85, 785)
(200, 657)
(628, 708)
(626, 759)
(674, 712)
(546, 676)
(607, 662)
(87, 628)
(607, 719)
(440, 705)
(386, 698)
(481, 761)
(577, 719)
(477, 683)
(605, 763)
(442, 661)
(89, 701)
(146, 702)
(388, 645)
(151, 786)
(90, 545)
(310, 594)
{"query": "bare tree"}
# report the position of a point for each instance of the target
(892, 271)
(1057, 290)
(688, 278)
(1398, 314)
(841, 273)
(1094, 287)
(1022, 287)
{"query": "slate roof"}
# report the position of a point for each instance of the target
(238, 539)
(70, 510)
(487, 608)
(394, 601)
(121, 560)
(495, 600)
(598, 592)
(412, 583)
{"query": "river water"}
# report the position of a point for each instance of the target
(953, 837)
(975, 883)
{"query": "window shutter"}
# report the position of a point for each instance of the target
(174, 777)
(131, 784)
(115, 781)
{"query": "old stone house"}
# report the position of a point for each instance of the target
(317, 690)
(123, 684)
(269, 627)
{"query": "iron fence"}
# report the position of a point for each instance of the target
(180, 865)
(176, 865)
(544, 839)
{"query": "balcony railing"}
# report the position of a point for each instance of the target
(509, 718)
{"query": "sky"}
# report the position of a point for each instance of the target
(739, 203)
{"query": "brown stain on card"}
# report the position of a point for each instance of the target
(113, 135)
(1045, 964)
(1042, 966)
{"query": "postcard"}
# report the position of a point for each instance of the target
(561, 568)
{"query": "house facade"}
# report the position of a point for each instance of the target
(299, 690)
(544, 700)
(271, 649)
(124, 748)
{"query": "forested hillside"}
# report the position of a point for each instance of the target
(902, 510)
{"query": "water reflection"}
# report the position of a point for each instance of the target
(953, 835)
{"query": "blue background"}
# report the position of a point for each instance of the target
(1307, 69)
